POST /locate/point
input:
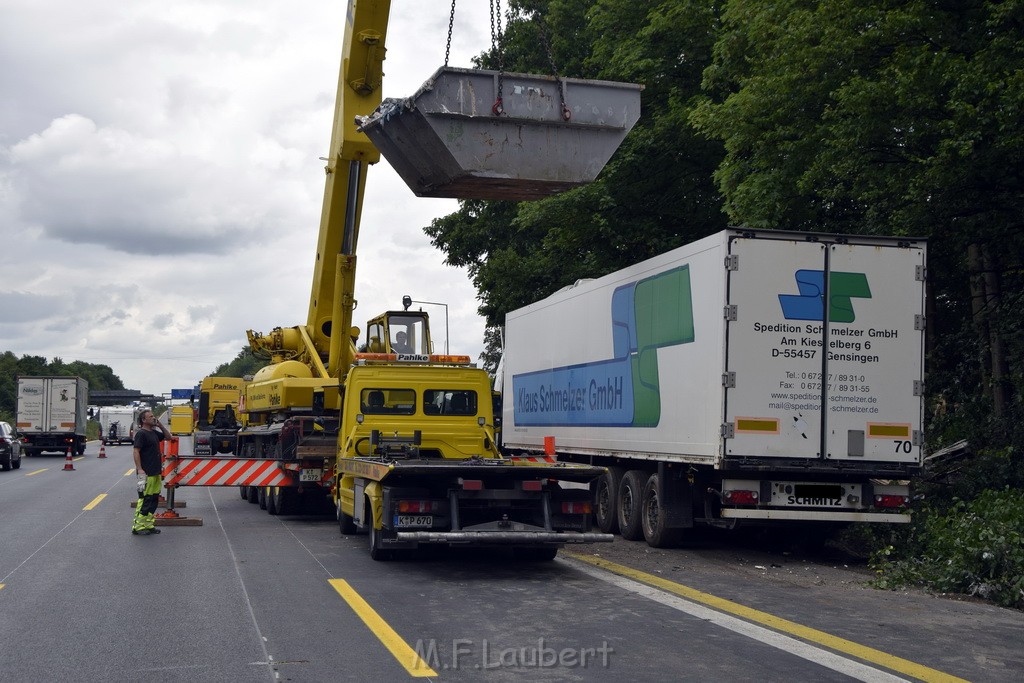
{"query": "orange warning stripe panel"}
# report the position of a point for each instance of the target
(197, 471)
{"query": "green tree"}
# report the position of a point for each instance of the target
(245, 363)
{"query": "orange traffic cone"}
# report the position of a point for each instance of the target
(69, 464)
(103, 452)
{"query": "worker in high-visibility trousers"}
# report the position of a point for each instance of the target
(146, 452)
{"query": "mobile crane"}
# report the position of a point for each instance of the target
(401, 441)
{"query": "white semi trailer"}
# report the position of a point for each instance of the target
(51, 414)
(751, 377)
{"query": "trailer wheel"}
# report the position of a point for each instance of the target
(244, 490)
(253, 494)
(631, 492)
(283, 500)
(653, 518)
(261, 496)
(605, 499)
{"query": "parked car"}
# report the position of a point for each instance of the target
(10, 448)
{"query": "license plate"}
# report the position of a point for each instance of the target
(414, 520)
(311, 475)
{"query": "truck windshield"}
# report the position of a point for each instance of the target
(449, 402)
(408, 334)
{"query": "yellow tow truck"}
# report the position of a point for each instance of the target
(398, 440)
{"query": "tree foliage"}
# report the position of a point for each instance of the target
(245, 363)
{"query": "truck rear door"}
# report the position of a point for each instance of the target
(798, 388)
(63, 404)
(32, 399)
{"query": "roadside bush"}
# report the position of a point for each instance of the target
(974, 548)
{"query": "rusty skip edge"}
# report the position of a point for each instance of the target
(628, 108)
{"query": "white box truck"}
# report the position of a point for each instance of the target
(752, 377)
(51, 414)
(117, 424)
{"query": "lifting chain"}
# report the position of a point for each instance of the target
(497, 46)
(542, 25)
(497, 38)
(451, 23)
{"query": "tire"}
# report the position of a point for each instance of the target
(377, 553)
(628, 509)
(284, 500)
(346, 524)
(605, 498)
(273, 497)
(253, 494)
(535, 554)
(261, 496)
(244, 490)
(652, 517)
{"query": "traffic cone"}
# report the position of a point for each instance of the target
(69, 464)
(103, 452)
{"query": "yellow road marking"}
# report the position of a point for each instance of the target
(401, 651)
(869, 654)
(129, 472)
(81, 457)
(95, 501)
(29, 474)
(2, 586)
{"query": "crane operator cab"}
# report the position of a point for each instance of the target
(406, 333)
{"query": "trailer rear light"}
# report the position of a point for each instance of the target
(532, 485)
(417, 506)
(472, 484)
(576, 508)
(741, 497)
(889, 501)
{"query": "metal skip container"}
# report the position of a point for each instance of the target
(448, 141)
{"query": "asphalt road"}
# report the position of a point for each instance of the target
(251, 597)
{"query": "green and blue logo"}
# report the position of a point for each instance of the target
(622, 391)
(809, 304)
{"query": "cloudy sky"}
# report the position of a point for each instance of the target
(160, 180)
